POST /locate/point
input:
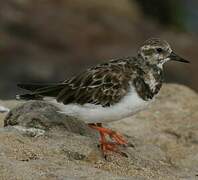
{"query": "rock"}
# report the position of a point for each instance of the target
(3, 109)
(44, 116)
(32, 132)
(163, 142)
(8, 105)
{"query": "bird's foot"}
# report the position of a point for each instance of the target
(109, 146)
(118, 138)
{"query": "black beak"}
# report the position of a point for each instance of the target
(175, 57)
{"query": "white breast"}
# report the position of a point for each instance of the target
(90, 113)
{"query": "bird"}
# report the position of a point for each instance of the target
(110, 91)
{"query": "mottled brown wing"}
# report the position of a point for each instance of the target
(103, 85)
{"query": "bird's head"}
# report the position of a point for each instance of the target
(157, 52)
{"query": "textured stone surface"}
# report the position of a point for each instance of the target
(44, 116)
(163, 142)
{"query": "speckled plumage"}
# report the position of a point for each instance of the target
(107, 86)
(107, 83)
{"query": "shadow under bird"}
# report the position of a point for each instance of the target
(110, 91)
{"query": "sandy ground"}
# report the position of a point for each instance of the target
(39, 143)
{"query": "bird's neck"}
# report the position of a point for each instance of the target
(149, 83)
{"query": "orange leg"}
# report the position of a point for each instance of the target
(104, 144)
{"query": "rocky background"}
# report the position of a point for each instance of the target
(50, 40)
(36, 142)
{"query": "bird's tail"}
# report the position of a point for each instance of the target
(38, 91)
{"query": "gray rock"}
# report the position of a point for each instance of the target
(45, 116)
(32, 132)
(3, 109)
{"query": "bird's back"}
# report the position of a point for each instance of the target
(105, 84)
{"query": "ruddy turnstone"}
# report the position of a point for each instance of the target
(110, 91)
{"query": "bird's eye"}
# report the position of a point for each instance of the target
(159, 50)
